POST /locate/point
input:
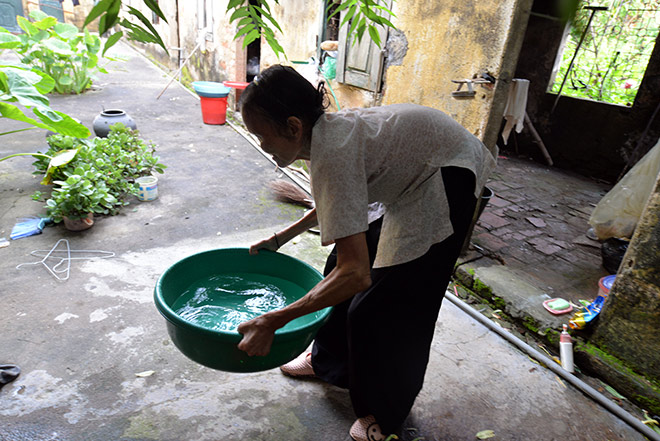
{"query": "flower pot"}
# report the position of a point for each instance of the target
(105, 119)
(79, 224)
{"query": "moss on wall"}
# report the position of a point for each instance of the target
(630, 319)
(627, 381)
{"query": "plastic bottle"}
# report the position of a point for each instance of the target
(566, 350)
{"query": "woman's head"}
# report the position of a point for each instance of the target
(279, 93)
(280, 108)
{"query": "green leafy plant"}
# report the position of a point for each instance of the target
(107, 11)
(616, 46)
(252, 18)
(360, 15)
(84, 191)
(60, 51)
(27, 87)
(110, 165)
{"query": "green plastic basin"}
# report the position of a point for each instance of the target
(218, 349)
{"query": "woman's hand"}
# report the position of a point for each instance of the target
(258, 336)
(278, 239)
(271, 244)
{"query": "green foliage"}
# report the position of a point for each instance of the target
(362, 15)
(58, 50)
(253, 19)
(610, 63)
(107, 11)
(100, 176)
(26, 86)
(82, 192)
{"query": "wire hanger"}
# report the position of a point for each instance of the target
(62, 274)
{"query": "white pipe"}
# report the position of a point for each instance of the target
(557, 369)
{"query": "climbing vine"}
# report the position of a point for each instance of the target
(609, 50)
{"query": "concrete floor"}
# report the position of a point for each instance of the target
(81, 342)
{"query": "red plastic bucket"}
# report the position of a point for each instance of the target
(214, 110)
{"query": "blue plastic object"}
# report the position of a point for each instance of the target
(608, 281)
(29, 226)
(210, 89)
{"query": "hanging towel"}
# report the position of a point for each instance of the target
(516, 103)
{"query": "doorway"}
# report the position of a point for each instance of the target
(253, 55)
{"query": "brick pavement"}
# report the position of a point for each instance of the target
(535, 226)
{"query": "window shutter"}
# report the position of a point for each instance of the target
(361, 64)
(9, 9)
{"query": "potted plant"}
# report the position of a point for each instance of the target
(76, 199)
(99, 176)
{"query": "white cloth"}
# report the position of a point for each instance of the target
(516, 104)
(392, 155)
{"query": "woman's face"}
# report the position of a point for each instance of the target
(283, 146)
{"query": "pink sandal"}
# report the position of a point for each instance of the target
(301, 367)
(366, 429)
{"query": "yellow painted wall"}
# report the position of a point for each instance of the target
(453, 40)
(448, 40)
(300, 21)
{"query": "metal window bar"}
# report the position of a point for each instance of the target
(597, 72)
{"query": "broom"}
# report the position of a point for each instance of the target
(29, 226)
(285, 191)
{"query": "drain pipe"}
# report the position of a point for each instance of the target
(557, 369)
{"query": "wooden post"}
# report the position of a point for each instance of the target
(538, 139)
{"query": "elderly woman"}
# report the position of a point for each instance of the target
(395, 188)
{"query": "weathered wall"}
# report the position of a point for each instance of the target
(79, 13)
(594, 139)
(300, 21)
(216, 58)
(435, 43)
(453, 40)
(629, 322)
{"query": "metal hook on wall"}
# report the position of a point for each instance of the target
(484, 79)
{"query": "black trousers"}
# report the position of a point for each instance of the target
(377, 343)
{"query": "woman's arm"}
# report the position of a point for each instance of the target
(273, 243)
(351, 276)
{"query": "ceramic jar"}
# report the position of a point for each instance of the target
(105, 119)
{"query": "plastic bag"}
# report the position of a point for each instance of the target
(329, 68)
(618, 212)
